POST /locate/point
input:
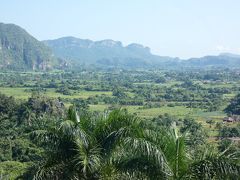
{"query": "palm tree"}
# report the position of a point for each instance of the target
(122, 146)
(90, 149)
(63, 144)
(211, 164)
(128, 145)
(154, 153)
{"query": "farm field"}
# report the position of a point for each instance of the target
(144, 93)
(24, 93)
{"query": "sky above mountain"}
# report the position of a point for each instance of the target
(182, 28)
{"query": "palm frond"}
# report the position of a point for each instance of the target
(87, 158)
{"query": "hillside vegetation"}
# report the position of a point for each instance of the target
(19, 50)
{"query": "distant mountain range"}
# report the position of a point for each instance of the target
(223, 60)
(105, 52)
(109, 52)
(19, 50)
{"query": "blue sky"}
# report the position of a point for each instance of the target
(179, 28)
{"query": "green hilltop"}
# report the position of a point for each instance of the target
(19, 50)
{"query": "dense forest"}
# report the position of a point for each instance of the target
(120, 124)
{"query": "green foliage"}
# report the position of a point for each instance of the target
(230, 131)
(64, 90)
(12, 169)
(7, 104)
(234, 106)
(210, 164)
(17, 120)
(118, 93)
(38, 106)
(160, 80)
(121, 145)
(164, 120)
(195, 132)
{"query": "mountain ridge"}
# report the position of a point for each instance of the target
(109, 52)
(20, 50)
(103, 52)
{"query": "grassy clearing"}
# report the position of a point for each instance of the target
(179, 111)
(167, 84)
(229, 96)
(216, 85)
(18, 93)
(76, 95)
(21, 93)
(99, 107)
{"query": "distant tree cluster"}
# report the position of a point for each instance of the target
(234, 106)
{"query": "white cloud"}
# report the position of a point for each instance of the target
(223, 48)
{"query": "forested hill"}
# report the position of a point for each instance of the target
(104, 52)
(19, 50)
